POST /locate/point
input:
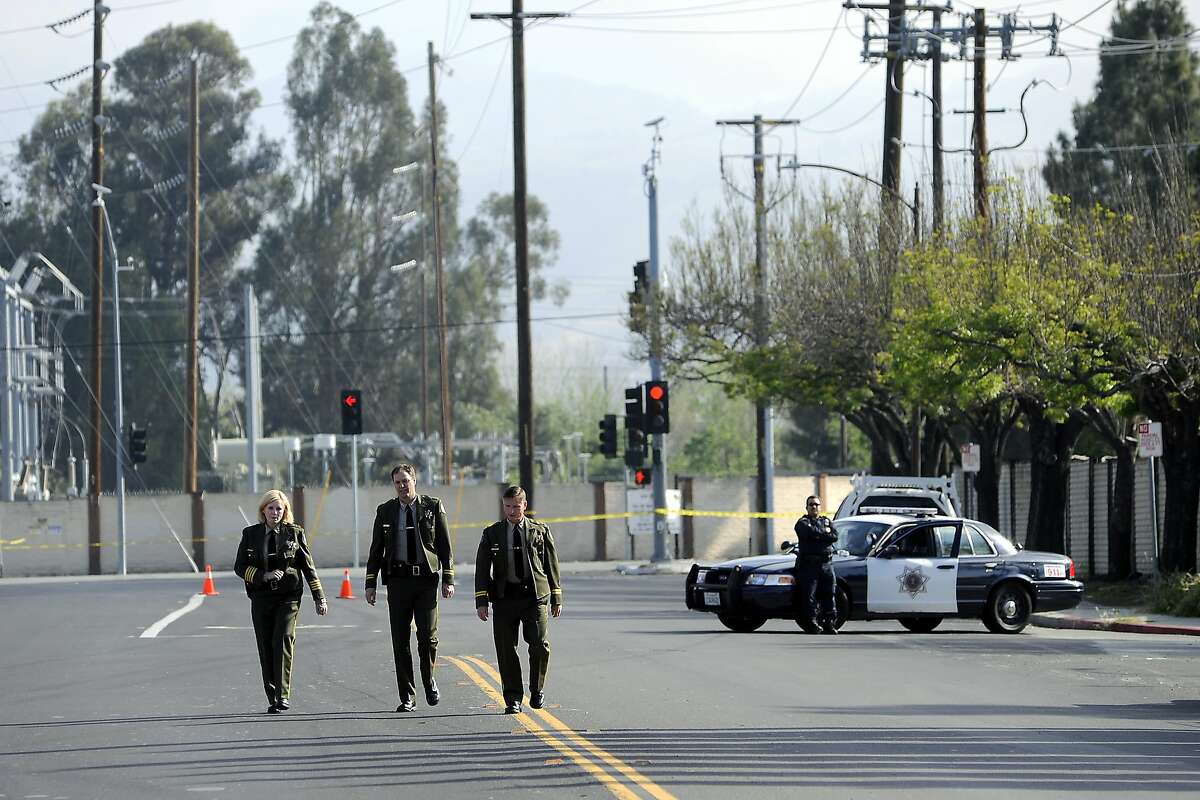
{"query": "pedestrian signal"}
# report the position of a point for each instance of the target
(608, 435)
(642, 476)
(351, 412)
(137, 444)
(657, 408)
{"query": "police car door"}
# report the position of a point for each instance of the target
(916, 572)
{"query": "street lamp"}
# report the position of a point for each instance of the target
(119, 412)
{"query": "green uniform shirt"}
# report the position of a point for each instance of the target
(491, 562)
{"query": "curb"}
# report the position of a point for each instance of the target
(1078, 623)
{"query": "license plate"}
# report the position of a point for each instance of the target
(712, 599)
(1054, 570)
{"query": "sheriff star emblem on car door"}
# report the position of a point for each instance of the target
(912, 581)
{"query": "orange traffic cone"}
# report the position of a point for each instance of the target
(347, 593)
(208, 588)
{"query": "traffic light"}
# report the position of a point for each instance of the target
(642, 476)
(657, 410)
(137, 444)
(638, 297)
(608, 435)
(351, 412)
(635, 436)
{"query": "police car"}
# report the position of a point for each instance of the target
(915, 570)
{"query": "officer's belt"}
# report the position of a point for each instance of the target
(400, 569)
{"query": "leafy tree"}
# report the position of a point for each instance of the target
(1148, 92)
(146, 156)
(335, 313)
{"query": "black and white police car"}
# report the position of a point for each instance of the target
(915, 570)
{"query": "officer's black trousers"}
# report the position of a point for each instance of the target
(275, 630)
(814, 593)
(413, 599)
(531, 618)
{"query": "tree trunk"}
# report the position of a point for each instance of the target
(990, 427)
(1159, 394)
(1181, 467)
(1112, 429)
(1053, 444)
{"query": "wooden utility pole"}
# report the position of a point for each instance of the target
(97, 449)
(979, 134)
(193, 315)
(893, 106)
(525, 439)
(764, 421)
(443, 356)
(939, 197)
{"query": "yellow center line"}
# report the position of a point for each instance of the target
(608, 781)
(647, 785)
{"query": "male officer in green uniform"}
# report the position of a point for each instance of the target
(410, 543)
(517, 569)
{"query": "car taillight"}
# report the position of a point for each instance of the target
(1071, 568)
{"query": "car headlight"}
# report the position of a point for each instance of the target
(763, 579)
(702, 576)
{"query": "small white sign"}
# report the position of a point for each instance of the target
(641, 503)
(970, 457)
(1150, 442)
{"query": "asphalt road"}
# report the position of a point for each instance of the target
(645, 699)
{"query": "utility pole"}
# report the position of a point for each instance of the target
(979, 136)
(99, 12)
(658, 482)
(521, 239)
(764, 413)
(443, 356)
(893, 107)
(939, 196)
(193, 321)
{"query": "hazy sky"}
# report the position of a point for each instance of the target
(592, 81)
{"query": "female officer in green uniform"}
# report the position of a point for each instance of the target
(273, 558)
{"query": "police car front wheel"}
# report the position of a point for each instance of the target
(1008, 609)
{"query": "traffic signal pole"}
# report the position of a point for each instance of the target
(659, 442)
(354, 490)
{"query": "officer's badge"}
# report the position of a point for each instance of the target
(912, 581)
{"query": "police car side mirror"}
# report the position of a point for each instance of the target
(891, 551)
(786, 546)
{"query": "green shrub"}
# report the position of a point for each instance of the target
(1177, 594)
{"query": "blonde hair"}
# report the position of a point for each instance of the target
(271, 495)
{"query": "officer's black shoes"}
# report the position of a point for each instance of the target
(513, 708)
(829, 630)
(810, 627)
(537, 699)
(432, 695)
(282, 704)
(274, 709)
(406, 706)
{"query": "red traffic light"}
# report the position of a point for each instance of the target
(656, 391)
(642, 476)
(350, 400)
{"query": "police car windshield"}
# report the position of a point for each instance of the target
(858, 536)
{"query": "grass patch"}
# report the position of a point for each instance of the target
(1118, 593)
(1177, 594)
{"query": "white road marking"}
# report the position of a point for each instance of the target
(157, 628)
(206, 788)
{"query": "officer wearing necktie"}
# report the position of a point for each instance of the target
(516, 569)
(410, 546)
(274, 560)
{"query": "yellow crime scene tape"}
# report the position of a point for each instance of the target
(23, 544)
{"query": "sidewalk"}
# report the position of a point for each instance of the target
(1089, 616)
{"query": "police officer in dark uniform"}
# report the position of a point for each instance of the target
(516, 568)
(410, 547)
(814, 571)
(274, 560)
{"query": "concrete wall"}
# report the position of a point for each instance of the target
(51, 538)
